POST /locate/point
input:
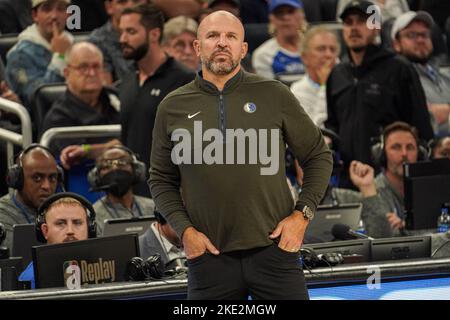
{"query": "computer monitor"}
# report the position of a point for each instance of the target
(401, 248)
(137, 225)
(24, 237)
(427, 188)
(10, 270)
(319, 229)
(100, 260)
(348, 248)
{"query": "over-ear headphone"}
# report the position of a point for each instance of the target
(310, 259)
(139, 169)
(15, 176)
(40, 218)
(139, 269)
(378, 152)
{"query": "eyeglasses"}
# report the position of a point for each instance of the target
(85, 67)
(109, 163)
(415, 35)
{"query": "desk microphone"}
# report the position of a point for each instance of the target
(344, 232)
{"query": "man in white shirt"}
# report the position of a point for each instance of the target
(320, 51)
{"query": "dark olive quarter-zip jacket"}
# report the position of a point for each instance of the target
(234, 204)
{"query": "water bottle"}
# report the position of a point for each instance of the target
(361, 228)
(443, 220)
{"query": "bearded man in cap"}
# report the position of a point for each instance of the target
(39, 55)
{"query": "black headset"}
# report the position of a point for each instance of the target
(139, 269)
(310, 259)
(15, 176)
(378, 152)
(40, 218)
(139, 169)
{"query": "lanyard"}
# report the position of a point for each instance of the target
(21, 208)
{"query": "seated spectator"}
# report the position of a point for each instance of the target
(116, 171)
(107, 39)
(179, 34)
(161, 238)
(441, 148)
(15, 15)
(389, 8)
(86, 101)
(35, 177)
(319, 51)
(279, 57)
(64, 217)
(39, 55)
(231, 6)
(383, 196)
(411, 36)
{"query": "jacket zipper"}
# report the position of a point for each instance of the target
(222, 117)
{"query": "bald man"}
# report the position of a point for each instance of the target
(87, 101)
(236, 216)
(39, 180)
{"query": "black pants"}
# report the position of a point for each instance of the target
(267, 273)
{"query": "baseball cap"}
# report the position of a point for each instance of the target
(356, 5)
(406, 18)
(276, 3)
(35, 3)
(212, 2)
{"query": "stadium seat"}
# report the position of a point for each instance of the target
(43, 99)
(7, 41)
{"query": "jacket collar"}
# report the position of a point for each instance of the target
(209, 87)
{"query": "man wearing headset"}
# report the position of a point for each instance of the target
(383, 196)
(116, 171)
(35, 177)
(63, 217)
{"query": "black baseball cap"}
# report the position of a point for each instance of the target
(356, 5)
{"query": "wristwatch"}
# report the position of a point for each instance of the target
(308, 214)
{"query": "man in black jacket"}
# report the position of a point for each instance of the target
(371, 91)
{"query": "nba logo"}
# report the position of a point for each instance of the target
(72, 275)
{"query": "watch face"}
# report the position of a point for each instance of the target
(308, 213)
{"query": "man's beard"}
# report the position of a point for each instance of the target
(137, 53)
(219, 68)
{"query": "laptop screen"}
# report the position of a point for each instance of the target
(100, 260)
(127, 225)
(319, 229)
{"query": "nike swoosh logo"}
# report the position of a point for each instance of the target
(190, 116)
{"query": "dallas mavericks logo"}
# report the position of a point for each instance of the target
(249, 107)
